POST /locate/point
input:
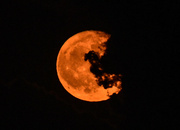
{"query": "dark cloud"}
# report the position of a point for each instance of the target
(103, 78)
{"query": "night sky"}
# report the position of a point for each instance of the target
(142, 48)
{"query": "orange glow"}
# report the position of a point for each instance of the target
(74, 71)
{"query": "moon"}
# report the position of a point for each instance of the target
(80, 71)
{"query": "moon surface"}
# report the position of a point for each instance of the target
(80, 71)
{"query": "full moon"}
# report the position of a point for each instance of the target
(79, 68)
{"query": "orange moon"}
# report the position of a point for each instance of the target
(75, 62)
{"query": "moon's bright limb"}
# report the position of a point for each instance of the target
(80, 71)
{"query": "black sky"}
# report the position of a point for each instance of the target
(143, 48)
